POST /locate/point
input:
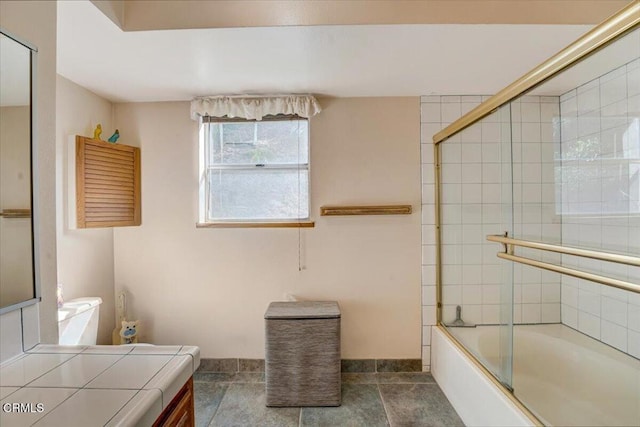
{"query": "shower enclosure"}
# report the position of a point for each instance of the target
(538, 231)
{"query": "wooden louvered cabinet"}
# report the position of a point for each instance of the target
(107, 184)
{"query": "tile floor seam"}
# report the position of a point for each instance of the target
(218, 407)
(384, 407)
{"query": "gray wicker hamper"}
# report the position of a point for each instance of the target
(302, 360)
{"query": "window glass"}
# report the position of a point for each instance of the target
(259, 142)
(255, 170)
(258, 194)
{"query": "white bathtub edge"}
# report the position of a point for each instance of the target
(475, 398)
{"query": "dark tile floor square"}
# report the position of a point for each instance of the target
(244, 404)
(418, 405)
(207, 399)
(361, 406)
(368, 400)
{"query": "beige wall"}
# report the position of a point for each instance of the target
(85, 257)
(35, 22)
(210, 287)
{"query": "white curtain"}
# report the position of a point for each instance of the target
(254, 107)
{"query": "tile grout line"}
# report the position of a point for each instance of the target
(300, 418)
(384, 407)
(78, 389)
(56, 407)
(219, 404)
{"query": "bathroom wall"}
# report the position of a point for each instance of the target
(476, 169)
(211, 287)
(599, 186)
(35, 22)
(85, 256)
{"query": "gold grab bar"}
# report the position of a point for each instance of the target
(620, 284)
(568, 250)
(15, 213)
(618, 24)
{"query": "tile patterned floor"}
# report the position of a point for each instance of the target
(368, 400)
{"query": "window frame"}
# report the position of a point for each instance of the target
(205, 168)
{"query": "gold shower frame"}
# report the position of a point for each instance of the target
(616, 26)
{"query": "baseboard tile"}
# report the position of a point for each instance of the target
(347, 365)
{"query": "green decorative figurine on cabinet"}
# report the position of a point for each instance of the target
(114, 138)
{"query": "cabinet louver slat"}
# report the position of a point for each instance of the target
(107, 184)
(108, 161)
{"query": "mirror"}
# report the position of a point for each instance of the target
(17, 274)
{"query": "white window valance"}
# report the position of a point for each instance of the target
(254, 107)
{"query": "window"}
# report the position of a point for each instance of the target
(600, 173)
(254, 171)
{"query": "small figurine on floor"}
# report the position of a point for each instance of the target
(114, 138)
(97, 132)
(128, 333)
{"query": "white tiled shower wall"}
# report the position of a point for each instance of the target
(476, 171)
(535, 144)
(600, 140)
(436, 113)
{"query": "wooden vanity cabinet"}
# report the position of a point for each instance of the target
(180, 412)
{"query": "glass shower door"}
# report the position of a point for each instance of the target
(476, 200)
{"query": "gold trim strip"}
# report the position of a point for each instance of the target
(505, 391)
(240, 224)
(366, 210)
(621, 22)
(437, 193)
(615, 283)
(568, 250)
(15, 213)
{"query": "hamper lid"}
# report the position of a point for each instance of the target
(303, 310)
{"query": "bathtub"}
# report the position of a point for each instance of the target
(564, 377)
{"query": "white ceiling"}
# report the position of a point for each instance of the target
(364, 60)
(616, 54)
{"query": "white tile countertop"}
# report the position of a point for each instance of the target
(52, 385)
